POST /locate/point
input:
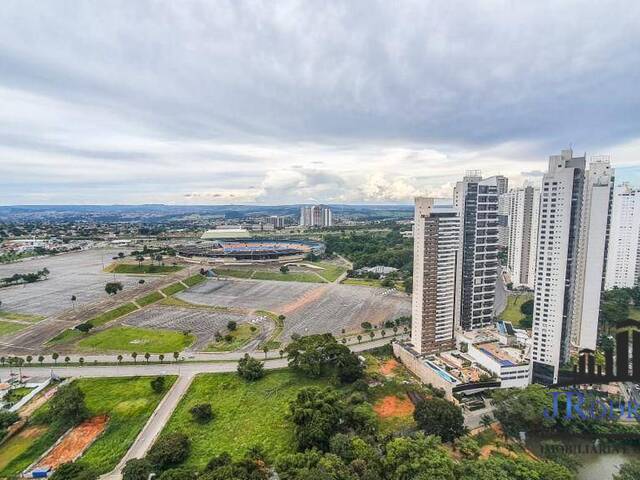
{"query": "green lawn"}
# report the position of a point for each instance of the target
(21, 317)
(634, 313)
(512, 312)
(178, 302)
(363, 282)
(153, 297)
(272, 343)
(128, 402)
(173, 289)
(133, 339)
(113, 314)
(17, 394)
(288, 277)
(145, 269)
(241, 336)
(10, 327)
(224, 272)
(66, 336)
(194, 280)
(331, 271)
(246, 414)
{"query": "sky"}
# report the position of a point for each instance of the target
(279, 102)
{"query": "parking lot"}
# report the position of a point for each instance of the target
(308, 308)
(77, 273)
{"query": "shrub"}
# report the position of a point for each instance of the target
(67, 407)
(232, 325)
(157, 384)
(84, 327)
(74, 471)
(169, 450)
(202, 413)
(250, 369)
(437, 416)
(137, 469)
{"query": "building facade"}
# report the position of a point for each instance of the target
(623, 262)
(316, 216)
(523, 205)
(476, 200)
(572, 237)
(436, 246)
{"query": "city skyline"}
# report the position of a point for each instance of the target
(278, 104)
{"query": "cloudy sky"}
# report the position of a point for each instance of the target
(283, 102)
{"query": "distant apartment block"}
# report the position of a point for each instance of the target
(572, 236)
(316, 216)
(522, 242)
(623, 262)
(277, 221)
(476, 200)
(436, 246)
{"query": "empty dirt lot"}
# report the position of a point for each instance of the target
(309, 308)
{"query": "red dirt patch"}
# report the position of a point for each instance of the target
(392, 406)
(306, 299)
(388, 367)
(74, 443)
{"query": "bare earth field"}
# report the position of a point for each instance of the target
(309, 308)
(77, 273)
(200, 322)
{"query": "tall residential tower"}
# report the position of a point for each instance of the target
(523, 204)
(623, 262)
(436, 245)
(572, 236)
(476, 200)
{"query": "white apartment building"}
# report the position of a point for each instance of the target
(316, 216)
(436, 245)
(592, 252)
(476, 200)
(623, 262)
(523, 205)
(572, 235)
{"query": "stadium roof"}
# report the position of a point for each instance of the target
(219, 234)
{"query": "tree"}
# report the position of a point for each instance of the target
(437, 416)
(486, 420)
(522, 409)
(67, 359)
(265, 349)
(182, 473)
(284, 269)
(84, 327)
(134, 355)
(74, 471)
(40, 359)
(317, 415)
(628, 471)
(7, 419)
(161, 357)
(81, 361)
(232, 325)
(140, 259)
(147, 356)
(120, 255)
(250, 369)
(29, 359)
(407, 284)
(202, 412)
(119, 358)
(67, 406)
(176, 355)
(113, 287)
(467, 446)
(137, 469)
(55, 357)
(157, 384)
(421, 458)
(169, 450)
(359, 337)
(348, 367)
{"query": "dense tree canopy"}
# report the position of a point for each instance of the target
(437, 416)
(371, 249)
(314, 355)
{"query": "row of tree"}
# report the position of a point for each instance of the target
(18, 278)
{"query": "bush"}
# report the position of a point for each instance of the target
(250, 369)
(202, 413)
(527, 307)
(184, 473)
(84, 327)
(137, 469)
(157, 384)
(7, 418)
(232, 325)
(67, 407)
(74, 471)
(169, 450)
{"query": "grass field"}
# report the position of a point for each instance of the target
(110, 315)
(634, 313)
(512, 313)
(288, 277)
(66, 336)
(178, 302)
(224, 272)
(173, 289)
(246, 414)
(149, 299)
(21, 317)
(241, 336)
(133, 339)
(129, 268)
(194, 280)
(272, 342)
(331, 271)
(10, 327)
(128, 402)
(363, 282)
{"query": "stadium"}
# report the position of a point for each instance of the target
(250, 250)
